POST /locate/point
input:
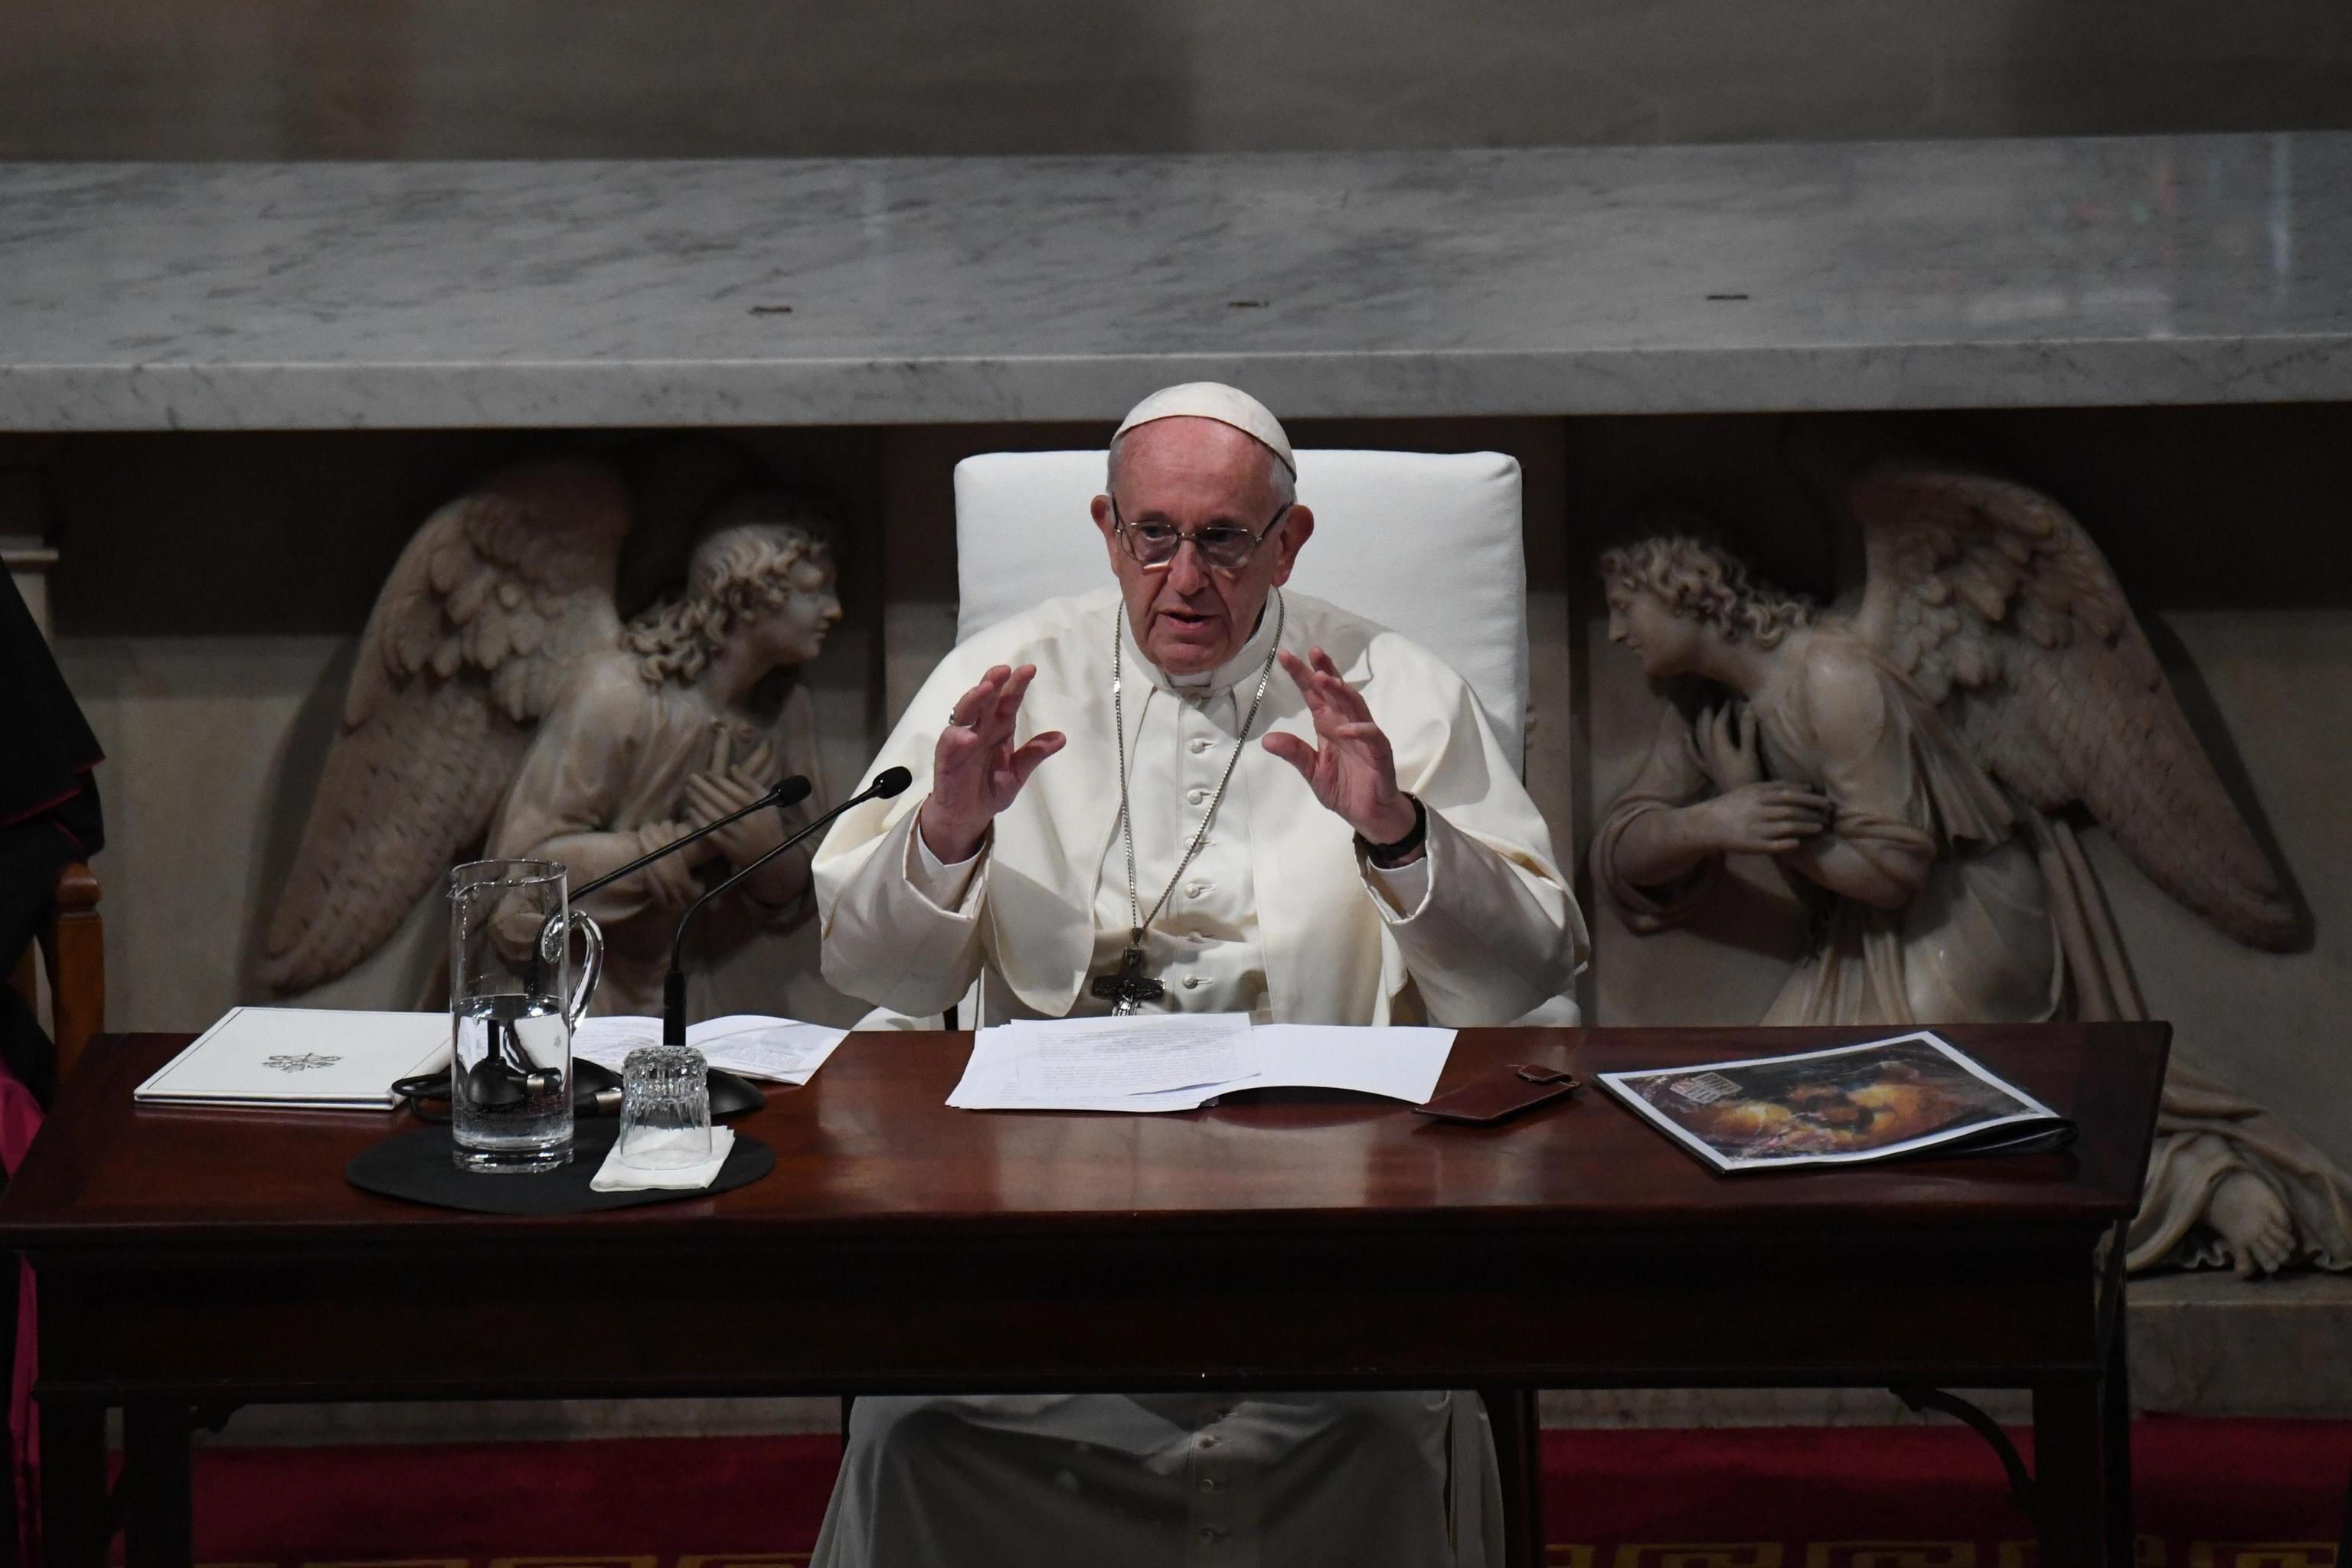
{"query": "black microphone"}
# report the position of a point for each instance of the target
(788, 792)
(888, 782)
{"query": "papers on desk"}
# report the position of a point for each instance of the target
(1402, 1063)
(1169, 1062)
(1180, 1061)
(312, 1058)
(752, 1044)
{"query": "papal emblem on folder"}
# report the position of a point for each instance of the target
(302, 1063)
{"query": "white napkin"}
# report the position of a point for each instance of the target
(612, 1177)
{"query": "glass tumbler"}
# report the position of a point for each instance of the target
(511, 1012)
(665, 1108)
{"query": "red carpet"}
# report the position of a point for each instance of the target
(2211, 1494)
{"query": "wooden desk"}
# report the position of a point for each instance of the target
(192, 1258)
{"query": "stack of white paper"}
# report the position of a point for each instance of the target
(1180, 1061)
(1169, 1061)
(756, 1046)
(1402, 1063)
(312, 1059)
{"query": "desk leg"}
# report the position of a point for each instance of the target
(2114, 1400)
(2070, 1479)
(159, 1499)
(73, 1485)
(1518, 1452)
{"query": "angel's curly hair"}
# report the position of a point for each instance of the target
(743, 565)
(1701, 580)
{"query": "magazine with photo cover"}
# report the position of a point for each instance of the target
(1870, 1101)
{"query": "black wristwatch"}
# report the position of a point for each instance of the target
(1388, 856)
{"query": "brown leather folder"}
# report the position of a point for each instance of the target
(1503, 1093)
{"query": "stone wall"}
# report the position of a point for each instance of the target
(563, 78)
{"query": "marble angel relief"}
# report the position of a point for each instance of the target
(1909, 767)
(501, 701)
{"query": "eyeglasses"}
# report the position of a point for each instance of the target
(1222, 544)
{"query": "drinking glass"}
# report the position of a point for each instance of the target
(665, 1108)
(512, 1012)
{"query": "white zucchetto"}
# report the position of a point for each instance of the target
(1214, 400)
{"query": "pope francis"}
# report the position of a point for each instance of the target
(1269, 806)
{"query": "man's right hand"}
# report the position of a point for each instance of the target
(976, 770)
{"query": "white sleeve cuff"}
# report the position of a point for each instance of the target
(946, 888)
(1400, 893)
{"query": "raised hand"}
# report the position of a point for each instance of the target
(709, 796)
(1725, 737)
(1761, 818)
(727, 785)
(976, 769)
(759, 771)
(1353, 771)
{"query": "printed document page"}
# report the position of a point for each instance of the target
(752, 1044)
(1154, 1062)
(1402, 1063)
(1162, 1062)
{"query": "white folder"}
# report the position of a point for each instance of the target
(313, 1057)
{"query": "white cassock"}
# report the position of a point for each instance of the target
(1278, 916)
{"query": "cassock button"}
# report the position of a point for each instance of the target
(1196, 795)
(1191, 982)
(1200, 745)
(1195, 889)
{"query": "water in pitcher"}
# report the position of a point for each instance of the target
(530, 1036)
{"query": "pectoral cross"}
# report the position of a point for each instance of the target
(1130, 986)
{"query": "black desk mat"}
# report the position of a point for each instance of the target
(417, 1166)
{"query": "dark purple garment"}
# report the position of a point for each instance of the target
(45, 748)
(49, 819)
(48, 814)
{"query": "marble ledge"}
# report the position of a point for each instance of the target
(1563, 281)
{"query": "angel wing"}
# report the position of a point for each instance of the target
(1997, 607)
(473, 637)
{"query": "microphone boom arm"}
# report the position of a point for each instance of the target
(788, 792)
(889, 782)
